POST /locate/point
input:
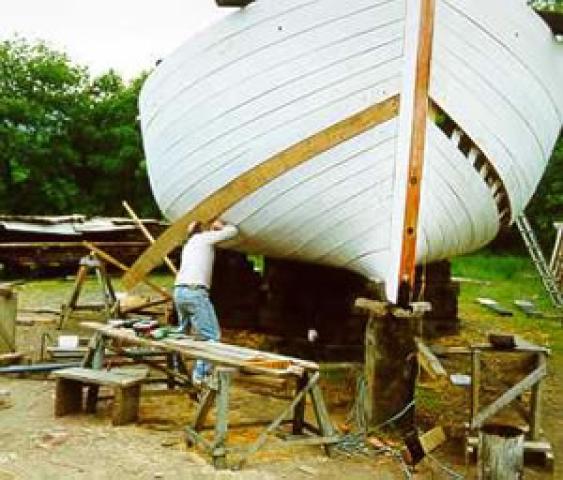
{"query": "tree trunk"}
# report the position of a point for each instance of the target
(501, 453)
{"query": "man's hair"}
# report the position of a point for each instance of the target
(193, 228)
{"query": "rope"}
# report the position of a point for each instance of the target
(445, 468)
(356, 444)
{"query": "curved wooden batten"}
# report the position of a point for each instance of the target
(252, 180)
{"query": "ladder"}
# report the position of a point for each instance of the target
(538, 258)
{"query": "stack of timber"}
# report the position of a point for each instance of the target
(435, 285)
(32, 243)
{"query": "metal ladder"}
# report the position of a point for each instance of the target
(538, 258)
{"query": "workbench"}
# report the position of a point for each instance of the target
(230, 362)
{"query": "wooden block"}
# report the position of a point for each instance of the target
(126, 404)
(432, 439)
(68, 397)
(502, 341)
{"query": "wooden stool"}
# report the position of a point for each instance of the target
(126, 387)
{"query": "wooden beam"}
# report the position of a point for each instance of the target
(417, 146)
(108, 258)
(252, 180)
(148, 235)
(22, 245)
(509, 396)
(428, 361)
(215, 352)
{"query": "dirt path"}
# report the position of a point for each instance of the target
(36, 446)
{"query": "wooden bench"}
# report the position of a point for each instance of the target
(126, 387)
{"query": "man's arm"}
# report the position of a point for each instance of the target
(220, 234)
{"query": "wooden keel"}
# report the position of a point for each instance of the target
(420, 111)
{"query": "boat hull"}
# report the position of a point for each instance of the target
(277, 73)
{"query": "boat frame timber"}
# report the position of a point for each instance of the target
(252, 180)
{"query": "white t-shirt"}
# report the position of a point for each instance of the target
(198, 255)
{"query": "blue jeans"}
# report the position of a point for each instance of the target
(196, 313)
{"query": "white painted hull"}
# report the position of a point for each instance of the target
(275, 73)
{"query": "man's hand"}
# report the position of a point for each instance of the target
(218, 224)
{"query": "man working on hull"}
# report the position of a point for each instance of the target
(191, 292)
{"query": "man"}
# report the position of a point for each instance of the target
(191, 292)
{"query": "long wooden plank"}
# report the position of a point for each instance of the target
(418, 142)
(252, 180)
(116, 263)
(147, 234)
(201, 349)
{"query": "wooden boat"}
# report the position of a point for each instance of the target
(332, 82)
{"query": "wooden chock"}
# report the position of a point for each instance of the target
(390, 362)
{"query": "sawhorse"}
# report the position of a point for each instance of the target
(307, 383)
(231, 361)
(87, 263)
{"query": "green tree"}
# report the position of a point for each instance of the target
(39, 96)
(546, 206)
(68, 143)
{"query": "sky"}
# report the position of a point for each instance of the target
(127, 35)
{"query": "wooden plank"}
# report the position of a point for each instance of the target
(417, 145)
(246, 357)
(99, 377)
(193, 349)
(428, 361)
(380, 308)
(108, 258)
(10, 246)
(203, 409)
(254, 179)
(321, 413)
(509, 396)
(432, 439)
(148, 235)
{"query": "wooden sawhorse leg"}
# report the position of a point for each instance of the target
(220, 395)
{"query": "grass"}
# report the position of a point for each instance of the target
(505, 279)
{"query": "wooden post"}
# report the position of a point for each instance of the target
(299, 410)
(535, 417)
(8, 313)
(475, 382)
(501, 453)
(390, 363)
(222, 417)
